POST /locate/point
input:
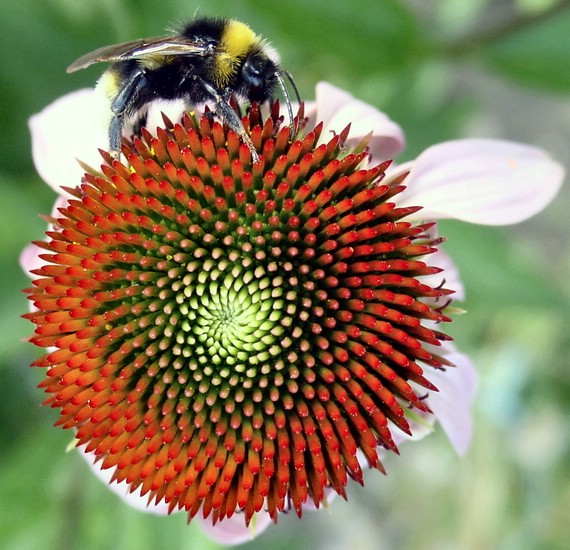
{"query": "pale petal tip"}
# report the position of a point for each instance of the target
(233, 531)
(452, 404)
(483, 181)
(338, 108)
(133, 499)
(73, 126)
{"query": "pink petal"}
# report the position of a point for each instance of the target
(419, 429)
(30, 255)
(452, 404)
(337, 108)
(229, 531)
(232, 531)
(30, 259)
(72, 127)
(174, 110)
(482, 181)
(135, 500)
(449, 278)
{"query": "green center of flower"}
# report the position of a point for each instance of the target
(229, 336)
(234, 322)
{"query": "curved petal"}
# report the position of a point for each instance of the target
(449, 278)
(482, 181)
(452, 404)
(30, 259)
(232, 531)
(72, 127)
(229, 531)
(420, 426)
(337, 108)
(60, 202)
(133, 499)
(174, 110)
(30, 255)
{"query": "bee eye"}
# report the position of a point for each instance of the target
(255, 71)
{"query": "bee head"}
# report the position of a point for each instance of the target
(259, 76)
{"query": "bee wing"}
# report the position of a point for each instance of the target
(139, 49)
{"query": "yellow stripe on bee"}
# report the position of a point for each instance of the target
(109, 84)
(236, 41)
(153, 62)
(237, 38)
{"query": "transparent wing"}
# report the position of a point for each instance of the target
(139, 49)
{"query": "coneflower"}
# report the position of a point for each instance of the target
(236, 338)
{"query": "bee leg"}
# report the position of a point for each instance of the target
(224, 109)
(123, 103)
(115, 135)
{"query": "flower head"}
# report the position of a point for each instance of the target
(234, 338)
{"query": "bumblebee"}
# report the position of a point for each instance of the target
(208, 61)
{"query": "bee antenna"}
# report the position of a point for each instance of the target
(279, 76)
(293, 85)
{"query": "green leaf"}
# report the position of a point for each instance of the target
(537, 56)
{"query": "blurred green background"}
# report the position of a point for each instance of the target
(443, 69)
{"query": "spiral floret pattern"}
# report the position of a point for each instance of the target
(232, 337)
